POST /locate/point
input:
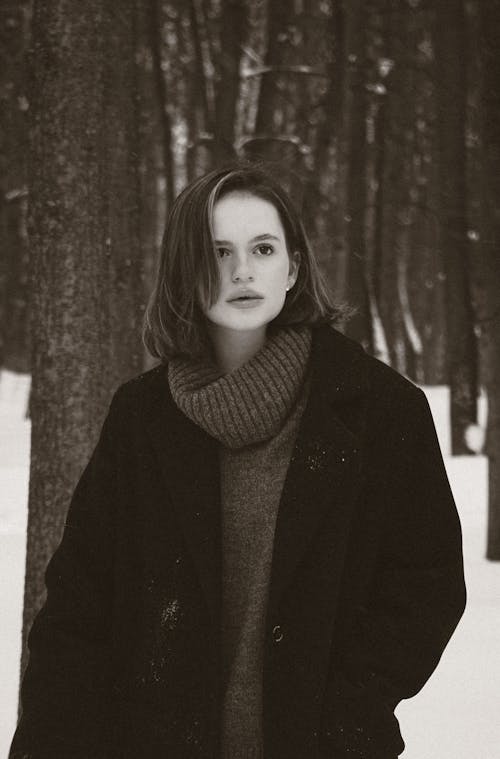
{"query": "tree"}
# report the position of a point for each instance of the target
(489, 307)
(426, 279)
(354, 138)
(461, 343)
(86, 287)
(394, 100)
(14, 34)
(233, 26)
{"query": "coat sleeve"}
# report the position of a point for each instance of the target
(64, 689)
(418, 592)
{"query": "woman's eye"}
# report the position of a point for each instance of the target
(265, 250)
(221, 252)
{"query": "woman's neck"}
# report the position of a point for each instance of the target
(233, 348)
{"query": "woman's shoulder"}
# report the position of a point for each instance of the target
(386, 404)
(348, 359)
(142, 395)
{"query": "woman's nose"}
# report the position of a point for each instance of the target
(242, 269)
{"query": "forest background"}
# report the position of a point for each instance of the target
(381, 117)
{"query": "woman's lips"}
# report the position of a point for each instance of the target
(245, 302)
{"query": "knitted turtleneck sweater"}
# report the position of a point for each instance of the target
(254, 413)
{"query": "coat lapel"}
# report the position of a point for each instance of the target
(325, 466)
(323, 470)
(189, 461)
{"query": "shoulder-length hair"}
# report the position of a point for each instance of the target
(188, 270)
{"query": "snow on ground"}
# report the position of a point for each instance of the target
(455, 716)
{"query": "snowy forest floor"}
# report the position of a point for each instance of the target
(455, 716)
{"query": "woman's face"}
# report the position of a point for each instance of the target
(253, 261)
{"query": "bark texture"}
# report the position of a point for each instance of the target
(86, 284)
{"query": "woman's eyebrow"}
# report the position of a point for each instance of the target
(265, 236)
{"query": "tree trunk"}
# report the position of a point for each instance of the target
(294, 83)
(155, 138)
(397, 178)
(327, 188)
(232, 33)
(85, 258)
(490, 258)
(354, 128)
(461, 344)
(14, 338)
(378, 46)
(155, 106)
(426, 266)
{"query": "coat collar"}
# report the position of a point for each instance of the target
(322, 468)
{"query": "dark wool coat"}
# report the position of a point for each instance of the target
(366, 585)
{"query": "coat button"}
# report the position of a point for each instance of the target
(277, 634)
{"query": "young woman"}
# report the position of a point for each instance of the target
(263, 556)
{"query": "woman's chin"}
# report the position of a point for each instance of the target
(242, 319)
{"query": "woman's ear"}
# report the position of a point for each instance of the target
(293, 269)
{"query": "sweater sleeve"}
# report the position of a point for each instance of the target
(64, 689)
(418, 593)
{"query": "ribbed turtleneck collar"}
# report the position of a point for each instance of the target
(251, 403)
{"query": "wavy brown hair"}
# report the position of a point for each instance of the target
(188, 270)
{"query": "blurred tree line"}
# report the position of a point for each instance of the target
(383, 119)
